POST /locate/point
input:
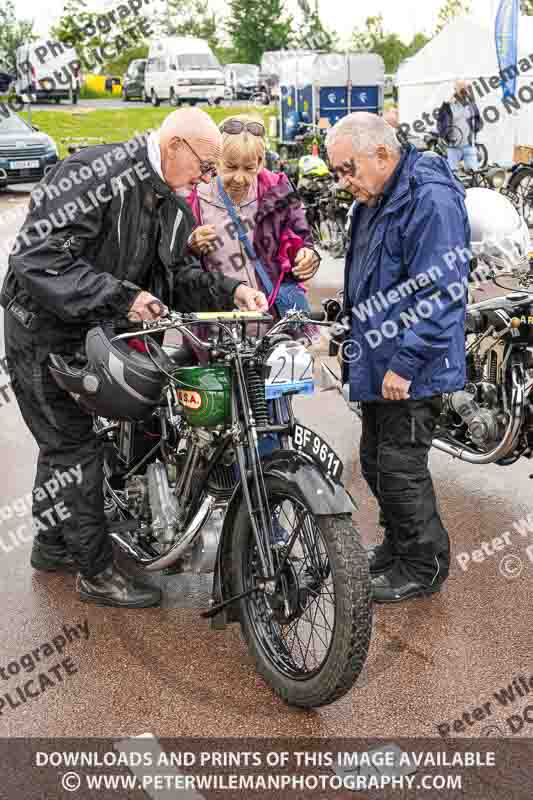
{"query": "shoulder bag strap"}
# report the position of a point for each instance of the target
(248, 246)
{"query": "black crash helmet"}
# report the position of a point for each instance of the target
(116, 382)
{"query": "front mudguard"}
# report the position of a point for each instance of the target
(304, 479)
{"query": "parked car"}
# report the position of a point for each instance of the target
(26, 154)
(47, 70)
(133, 83)
(242, 81)
(182, 69)
(5, 81)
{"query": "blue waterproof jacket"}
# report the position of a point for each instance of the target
(407, 298)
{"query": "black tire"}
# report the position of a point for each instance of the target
(154, 99)
(145, 98)
(125, 97)
(522, 185)
(346, 565)
(482, 156)
(172, 99)
(57, 100)
(75, 99)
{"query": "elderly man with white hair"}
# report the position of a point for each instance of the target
(406, 347)
(105, 238)
(458, 123)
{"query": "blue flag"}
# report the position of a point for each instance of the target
(507, 44)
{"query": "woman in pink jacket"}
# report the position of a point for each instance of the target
(267, 206)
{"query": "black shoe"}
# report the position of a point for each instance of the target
(51, 559)
(112, 588)
(379, 559)
(383, 591)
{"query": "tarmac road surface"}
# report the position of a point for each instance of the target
(163, 670)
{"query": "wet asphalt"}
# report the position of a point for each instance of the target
(126, 672)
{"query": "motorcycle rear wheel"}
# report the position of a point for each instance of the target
(326, 563)
(522, 185)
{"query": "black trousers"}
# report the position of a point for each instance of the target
(64, 434)
(394, 453)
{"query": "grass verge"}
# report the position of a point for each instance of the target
(115, 125)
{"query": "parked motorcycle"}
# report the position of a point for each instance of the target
(521, 187)
(490, 421)
(187, 490)
(516, 184)
(440, 146)
(327, 204)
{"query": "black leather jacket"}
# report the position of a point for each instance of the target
(84, 254)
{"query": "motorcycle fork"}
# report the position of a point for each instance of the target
(260, 514)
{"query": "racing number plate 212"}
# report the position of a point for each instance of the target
(319, 450)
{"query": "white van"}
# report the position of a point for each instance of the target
(182, 69)
(47, 70)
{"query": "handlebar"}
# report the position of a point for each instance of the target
(318, 316)
(182, 322)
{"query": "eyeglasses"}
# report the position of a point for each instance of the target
(206, 167)
(234, 126)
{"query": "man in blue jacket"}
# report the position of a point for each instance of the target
(405, 275)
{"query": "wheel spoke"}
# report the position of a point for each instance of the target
(295, 627)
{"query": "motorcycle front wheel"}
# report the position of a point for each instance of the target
(310, 637)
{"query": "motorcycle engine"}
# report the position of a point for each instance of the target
(477, 413)
(485, 425)
(151, 499)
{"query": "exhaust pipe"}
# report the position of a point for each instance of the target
(154, 564)
(510, 436)
(330, 382)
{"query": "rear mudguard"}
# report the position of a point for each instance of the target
(305, 480)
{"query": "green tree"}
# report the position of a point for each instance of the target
(418, 41)
(78, 28)
(312, 34)
(374, 39)
(258, 25)
(119, 65)
(13, 33)
(74, 26)
(450, 10)
(191, 18)
(527, 7)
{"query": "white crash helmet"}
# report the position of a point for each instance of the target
(500, 237)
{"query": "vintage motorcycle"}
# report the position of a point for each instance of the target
(187, 490)
(490, 421)
(327, 205)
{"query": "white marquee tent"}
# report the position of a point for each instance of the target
(466, 49)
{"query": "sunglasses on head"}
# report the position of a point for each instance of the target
(234, 126)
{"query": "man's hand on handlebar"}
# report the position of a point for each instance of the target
(146, 308)
(248, 299)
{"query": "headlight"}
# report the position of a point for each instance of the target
(51, 148)
(497, 178)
